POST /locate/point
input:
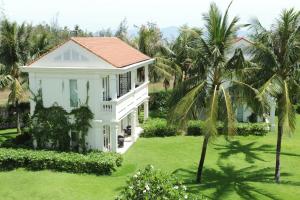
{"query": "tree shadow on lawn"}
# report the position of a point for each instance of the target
(6, 136)
(229, 180)
(249, 150)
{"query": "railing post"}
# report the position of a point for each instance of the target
(146, 73)
(133, 79)
(114, 128)
(146, 110)
(133, 124)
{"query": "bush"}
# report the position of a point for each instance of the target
(95, 162)
(157, 127)
(297, 108)
(153, 184)
(196, 127)
(259, 129)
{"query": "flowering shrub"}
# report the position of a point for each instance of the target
(150, 184)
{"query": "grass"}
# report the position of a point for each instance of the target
(7, 134)
(242, 168)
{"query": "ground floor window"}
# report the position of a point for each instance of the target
(106, 137)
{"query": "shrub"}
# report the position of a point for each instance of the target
(158, 127)
(95, 162)
(297, 108)
(153, 184)
(196, 127)
(258, 129)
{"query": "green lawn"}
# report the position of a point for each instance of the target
(239, 169)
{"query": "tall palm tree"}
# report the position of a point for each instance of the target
(208, 89)
(14, 51)
(277, 52)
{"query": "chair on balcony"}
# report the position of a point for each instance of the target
(121, 140)
(127, 131)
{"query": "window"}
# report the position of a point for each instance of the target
(105, 89)
(140, 75)
(73, 93)
(124, 83)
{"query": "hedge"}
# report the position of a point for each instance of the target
(196, 127)
(99, 163)
(158, 127)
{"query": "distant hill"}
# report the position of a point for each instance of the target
(169, 33)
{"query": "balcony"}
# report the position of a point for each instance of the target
(118, 108)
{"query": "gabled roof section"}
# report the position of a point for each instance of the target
(112, 50)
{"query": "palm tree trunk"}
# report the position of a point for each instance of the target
(18, 117)
(201, 163)
(278, 151)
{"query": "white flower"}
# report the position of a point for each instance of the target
(184, 187)
(185, 196)
(144, 191)
(147, 187)
(135, 176)
(176, 187)
(138, 173)
(151, 166)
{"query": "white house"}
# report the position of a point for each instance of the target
(107, 71)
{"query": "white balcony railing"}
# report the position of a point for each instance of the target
(116, 109)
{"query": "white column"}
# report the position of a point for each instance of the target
(146, 73)
(146, 110)
(133, 79)
(113, 86)
(133, 124)
(272, 113)
(114, 129)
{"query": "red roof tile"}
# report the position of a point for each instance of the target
(112, 50)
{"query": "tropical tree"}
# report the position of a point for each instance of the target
(150, 42)
(207, 92)
(183, 47)
(277, 52)
(14, 51)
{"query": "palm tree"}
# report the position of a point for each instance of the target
(182, 48)
(151, 43)
(208, 89)
(277, 52)
(14, 51)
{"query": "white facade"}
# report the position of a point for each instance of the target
(70, 74)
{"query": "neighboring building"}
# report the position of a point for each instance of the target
(107, 71)
(243, 112)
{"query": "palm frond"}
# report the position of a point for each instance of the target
(287, 113)
(212, 114)
(230, 113)
(181, 110)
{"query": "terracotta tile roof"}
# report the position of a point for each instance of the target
(238, 39)
(112, 50)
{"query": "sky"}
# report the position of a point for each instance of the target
(94, 15)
